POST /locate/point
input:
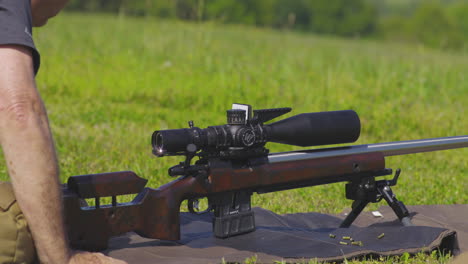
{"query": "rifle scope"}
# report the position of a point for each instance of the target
(242, 132)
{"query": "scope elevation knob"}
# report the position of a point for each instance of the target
(236, 117)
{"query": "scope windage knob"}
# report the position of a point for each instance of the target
(236, 117)
(246, 137)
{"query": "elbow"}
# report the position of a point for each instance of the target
(20, 112)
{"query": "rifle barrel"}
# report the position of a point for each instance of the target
(387, 149)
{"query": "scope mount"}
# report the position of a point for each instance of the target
(244, 128)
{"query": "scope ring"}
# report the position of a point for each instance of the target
(196, 137)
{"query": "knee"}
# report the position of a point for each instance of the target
(42, 12)
(16, 243)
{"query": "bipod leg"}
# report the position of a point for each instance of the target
(366, 190)
(362, 191)
(397, 206)
(357, 208)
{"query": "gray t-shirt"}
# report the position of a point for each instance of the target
(16, 26)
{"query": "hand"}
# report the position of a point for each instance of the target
(42, 10)
(93, 258)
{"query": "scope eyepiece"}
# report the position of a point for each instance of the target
(158, 144)
(172, 141)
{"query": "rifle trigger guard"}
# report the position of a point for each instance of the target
(193, 208)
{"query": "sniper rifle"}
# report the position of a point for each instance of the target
(233, 163)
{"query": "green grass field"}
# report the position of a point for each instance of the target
(109, 82)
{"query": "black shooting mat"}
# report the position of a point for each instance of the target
(303, 236)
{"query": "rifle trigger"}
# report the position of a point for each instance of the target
(193, 205)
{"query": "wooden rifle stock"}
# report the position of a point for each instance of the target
(154, 213)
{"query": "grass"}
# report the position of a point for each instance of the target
(109, 82)
(420, 258)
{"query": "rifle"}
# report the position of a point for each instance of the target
(232, 164)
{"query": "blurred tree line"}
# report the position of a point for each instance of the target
(341, 17)
(439, 24)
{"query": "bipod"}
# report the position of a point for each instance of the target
(367, 190)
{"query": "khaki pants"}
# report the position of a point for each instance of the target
(461, 259)
(16, 244)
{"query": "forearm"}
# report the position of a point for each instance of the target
(29, 152)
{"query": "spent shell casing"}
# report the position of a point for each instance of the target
(343, 243)
(347, 238)
(357, 243)
(332, 235)
(381, 235)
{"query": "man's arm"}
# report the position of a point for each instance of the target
(30, 155)
(31, 160)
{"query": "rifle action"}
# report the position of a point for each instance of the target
(233, 163)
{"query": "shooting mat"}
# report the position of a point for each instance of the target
(301, 236)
